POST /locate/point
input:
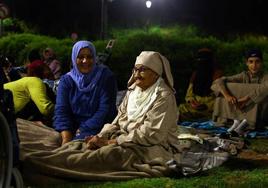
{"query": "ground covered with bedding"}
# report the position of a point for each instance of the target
(249, 168)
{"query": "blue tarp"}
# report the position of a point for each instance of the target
(211, 126)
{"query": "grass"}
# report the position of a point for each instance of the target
(220, 177)
(259, 145)
(236, 172)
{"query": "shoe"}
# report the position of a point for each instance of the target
(241, 127)
(234, 126)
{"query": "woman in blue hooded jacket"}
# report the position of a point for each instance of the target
(86, 97)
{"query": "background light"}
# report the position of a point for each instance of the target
(148, 4)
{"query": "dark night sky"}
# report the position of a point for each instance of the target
(57, 17)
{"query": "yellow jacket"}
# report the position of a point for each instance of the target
(30, 88)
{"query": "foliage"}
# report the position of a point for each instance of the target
(20, 45)
(13, 25)
(179, 44)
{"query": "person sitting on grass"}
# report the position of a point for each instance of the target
(49, 58)
(243, 98)
(199, 97)
(32, 88)
(86, 96)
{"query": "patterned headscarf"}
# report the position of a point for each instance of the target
(84, 82)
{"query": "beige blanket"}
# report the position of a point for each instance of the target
(40, 151)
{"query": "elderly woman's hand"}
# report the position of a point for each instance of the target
(95, 142)
(112, 141)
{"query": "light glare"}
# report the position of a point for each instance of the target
(148, 4)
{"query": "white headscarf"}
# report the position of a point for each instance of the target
(140, 101)
(156, 62)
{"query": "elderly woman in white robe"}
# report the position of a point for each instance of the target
(147, 115)
(139, 142)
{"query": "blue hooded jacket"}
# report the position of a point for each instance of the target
(85, 101)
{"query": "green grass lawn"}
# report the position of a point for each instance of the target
(220, 177)
(236, 172)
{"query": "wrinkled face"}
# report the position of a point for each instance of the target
(84, 61)
(254, 64)
(144, 76)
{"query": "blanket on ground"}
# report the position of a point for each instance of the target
(40, 150)
(212, 128)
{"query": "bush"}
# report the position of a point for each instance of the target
(19, 46)
(178, 44)
(13, 25)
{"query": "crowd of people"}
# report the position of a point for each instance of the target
(82, 134)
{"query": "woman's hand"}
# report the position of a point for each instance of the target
(194, 104)
(95, 142)
(198, 106)
(66, 137)
(112, 141)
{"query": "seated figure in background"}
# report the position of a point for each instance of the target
(32, 88)
(49, 58)
(21, 71)
(199, 97)
(243, 97)
(6, 67)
